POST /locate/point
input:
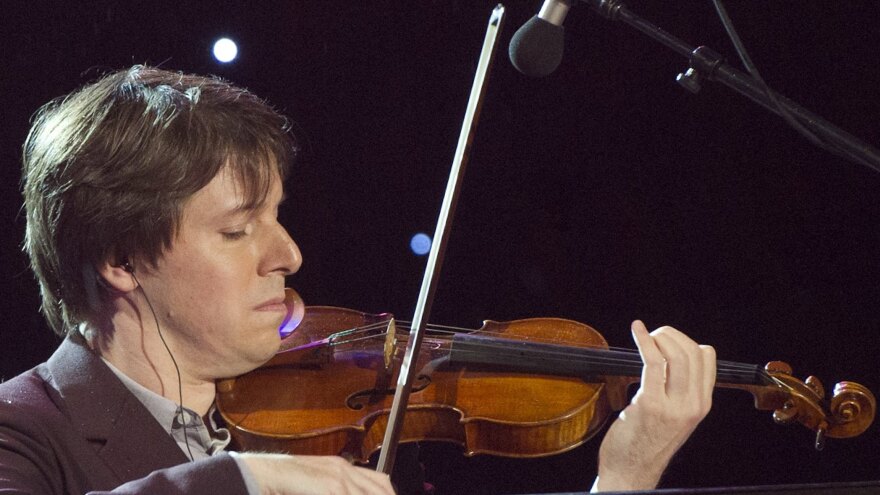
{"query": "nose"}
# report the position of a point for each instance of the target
(284, 255)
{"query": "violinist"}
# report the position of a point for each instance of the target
(151, 200)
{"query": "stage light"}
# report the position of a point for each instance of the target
(420, 244)
(225, 50)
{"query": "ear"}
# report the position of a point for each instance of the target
(117, 276)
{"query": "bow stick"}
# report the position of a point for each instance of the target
(438, 247)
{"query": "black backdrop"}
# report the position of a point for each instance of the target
(602, 193)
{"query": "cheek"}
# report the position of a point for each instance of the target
(206, 289)
(214, 268)
(219, 298)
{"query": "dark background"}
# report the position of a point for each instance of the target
(601, 193)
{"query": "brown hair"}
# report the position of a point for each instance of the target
(108, 169)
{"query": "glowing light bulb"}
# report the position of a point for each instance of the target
(225, 50)
(420, 244)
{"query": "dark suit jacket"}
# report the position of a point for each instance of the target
(69, 426)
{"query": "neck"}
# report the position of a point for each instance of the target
(584, 362)
(135, 348)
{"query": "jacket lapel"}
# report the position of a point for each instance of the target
(123, 433)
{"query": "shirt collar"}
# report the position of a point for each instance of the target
(171, 416)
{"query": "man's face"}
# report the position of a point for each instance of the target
(218, 291)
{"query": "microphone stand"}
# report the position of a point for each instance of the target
(706, 64)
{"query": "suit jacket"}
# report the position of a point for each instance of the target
(69, 426)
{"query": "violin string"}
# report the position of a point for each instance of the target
(622, 357)
(451, 330)
(778, 382)
(722, 365)
(728, 364)
(625, 360)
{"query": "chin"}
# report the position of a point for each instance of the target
(269, 346)
(253, 349)
(246, 364)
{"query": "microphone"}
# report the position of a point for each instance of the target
(536, 48)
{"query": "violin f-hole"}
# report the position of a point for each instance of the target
(368, 397)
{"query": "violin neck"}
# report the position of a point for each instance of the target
(584, 362)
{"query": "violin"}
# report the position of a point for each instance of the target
(524, 388)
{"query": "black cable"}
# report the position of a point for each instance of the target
(176, 368)
(783, 111)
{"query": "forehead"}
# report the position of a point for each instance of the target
(229, 194)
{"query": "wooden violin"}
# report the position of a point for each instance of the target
(524, 388)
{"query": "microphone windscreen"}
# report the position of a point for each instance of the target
(536, 48)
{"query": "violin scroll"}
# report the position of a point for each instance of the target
(852, 409)
(849, 412)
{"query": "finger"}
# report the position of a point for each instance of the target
(654, 369)
(679, 362)
(709, 373)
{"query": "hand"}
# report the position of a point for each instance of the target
(675, 395)
(279, 474)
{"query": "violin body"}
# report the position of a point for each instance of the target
(320, 397)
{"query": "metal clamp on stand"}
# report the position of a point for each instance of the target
(704, 62)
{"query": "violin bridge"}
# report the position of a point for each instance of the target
(390, 343)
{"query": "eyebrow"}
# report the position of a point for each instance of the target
(241, 209)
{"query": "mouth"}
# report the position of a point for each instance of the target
(276, 304)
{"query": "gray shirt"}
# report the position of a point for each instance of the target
(197, 439)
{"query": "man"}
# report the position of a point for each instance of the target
(152, 201)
